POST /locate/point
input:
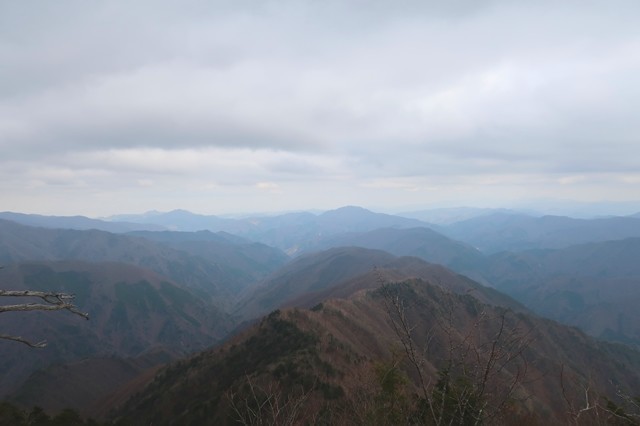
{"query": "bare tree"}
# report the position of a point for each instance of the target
(589, 407)
(478, 378)
(49, 301)
(267, 405)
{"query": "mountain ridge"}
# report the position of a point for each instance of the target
(327, 357)
(501, 232)
(593, 286)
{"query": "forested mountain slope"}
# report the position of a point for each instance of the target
(215, 277)
(132, 311)
(344, 362)
(594, 286)
(308, 277)
(508, 232)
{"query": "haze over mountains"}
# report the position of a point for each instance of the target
(306, 212)
(162, 286)
(75, 222)
(500, 231)
(216, 277)
(595, 286)
(292, 232)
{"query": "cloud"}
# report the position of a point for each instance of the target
(409, 96)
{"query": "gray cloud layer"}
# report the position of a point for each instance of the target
(315, 104)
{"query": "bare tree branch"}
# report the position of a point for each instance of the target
(51, 302)
(41, 344)
(470, 389)
(268, 404)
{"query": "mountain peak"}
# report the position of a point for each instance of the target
(347, 210)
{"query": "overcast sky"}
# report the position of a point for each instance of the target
(240, 106)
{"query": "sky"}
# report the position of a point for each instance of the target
(255, 106)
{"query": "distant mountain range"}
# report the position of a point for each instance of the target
(176, 282)
(171, 291)
(510, 224)
(448, 216)
(76, 222)
(508, 232)
(243, 262)
(292, 232)
(420, 242)
(489, 230)
(217, 277)
(182, 220)
(594, 286)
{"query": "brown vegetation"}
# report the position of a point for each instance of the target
(346, 361)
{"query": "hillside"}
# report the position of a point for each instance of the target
(132, 311)
(217, 278)
(310, 273)
(420, 242)
(402, 269)
(343, 363)
(343, 270)
(158, 296)
(509, 232)
(247, 261)
(593, 286)
(83, 385)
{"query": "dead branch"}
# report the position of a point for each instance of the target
(50, 301)
(474, 370)
(41, 344)
(267, 405)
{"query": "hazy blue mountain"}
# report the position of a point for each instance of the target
(421, 242)
(76, 222)
(580, 209)
(357, 219)
(183, 220)
(594, 286)
(286, 220)
(307, 231)
(498, 232)
(283, 231)
(248, 261)
(185, 236)
(291, 232)
(447, 216)
(215, 278)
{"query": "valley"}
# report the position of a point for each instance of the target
(195, 318)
